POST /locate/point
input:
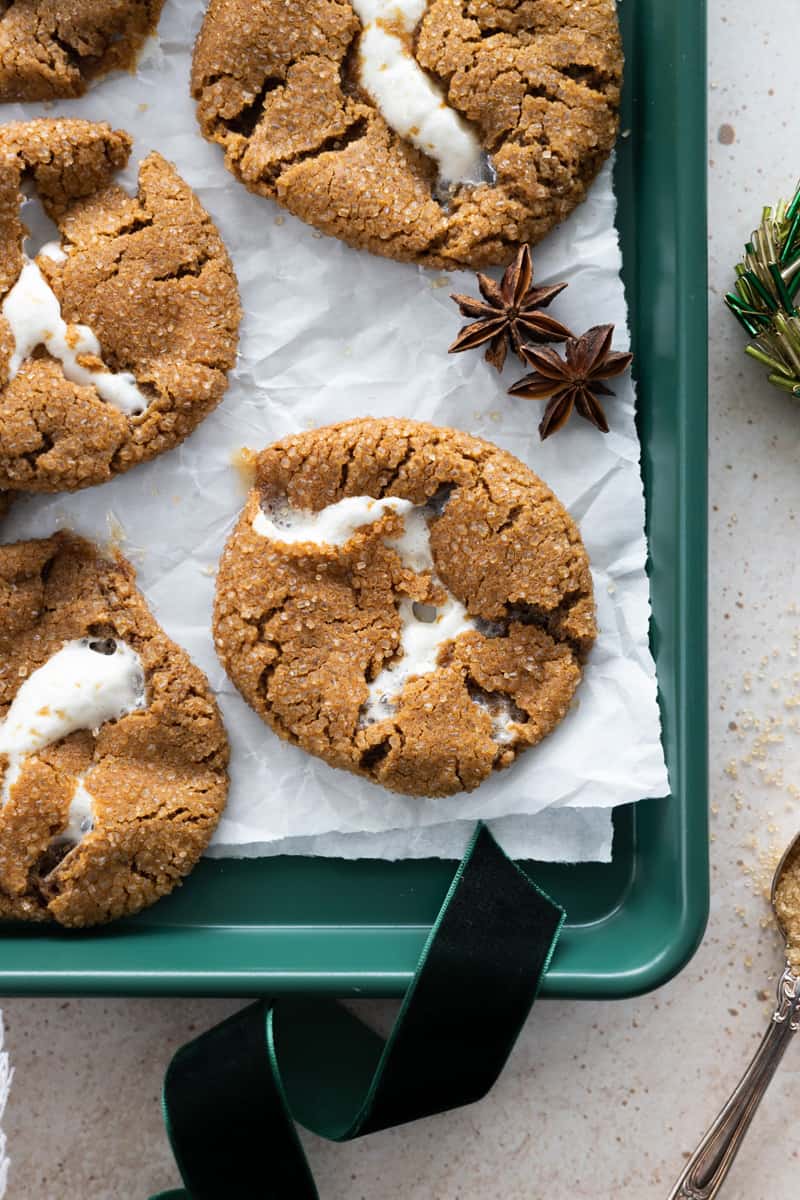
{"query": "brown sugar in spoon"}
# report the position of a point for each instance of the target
(707, 1169)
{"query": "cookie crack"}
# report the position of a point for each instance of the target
(391, 480)
(39, 885)
(48, 39)
(478, 693)
(593, 78)
(72, 56)
(31, 457)
(141, 873)
(40, 877)
(549, 619)
(344, 474)
(182, 814)
(246, 120)
(270, 82)
(129, 229)
(269, 670)
(194, 268)
(334, 144)
(439, 240)
(514, 513)
(373, 755)
(140, 220)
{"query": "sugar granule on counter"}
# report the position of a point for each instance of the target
(763, 739)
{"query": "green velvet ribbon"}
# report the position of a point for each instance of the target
(233, 1095)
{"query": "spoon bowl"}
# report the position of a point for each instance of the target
(787, 858)
(707, 1169)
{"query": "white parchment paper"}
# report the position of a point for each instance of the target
(331, 333)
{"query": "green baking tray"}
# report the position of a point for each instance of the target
(260, 927)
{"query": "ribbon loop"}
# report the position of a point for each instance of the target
(233, 1095)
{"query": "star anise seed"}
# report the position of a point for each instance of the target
(575, 381)
(510, 313)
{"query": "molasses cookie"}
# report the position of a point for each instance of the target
(406, 602)
(114, 342)
(113, 755)
(53, 48)
(444, 133)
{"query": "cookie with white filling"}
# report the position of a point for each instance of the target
(444, 133)
(404, 601)
(113, 756)
(115, 341)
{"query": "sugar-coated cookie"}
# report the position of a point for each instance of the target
(405, 601)
(54, 48)
(444, 133)
(115, 342)
(113, 756)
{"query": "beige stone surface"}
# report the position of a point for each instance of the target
(599, 1100)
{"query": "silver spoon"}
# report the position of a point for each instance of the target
(707, 1169)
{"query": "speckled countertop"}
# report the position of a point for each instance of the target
(599, 1100)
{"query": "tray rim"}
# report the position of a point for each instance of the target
(689, 771)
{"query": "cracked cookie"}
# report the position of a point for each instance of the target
(404, 601)
(443, 133)
(113, 756)
(115, 342)
(54, 48)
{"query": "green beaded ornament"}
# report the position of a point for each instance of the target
(767, 284)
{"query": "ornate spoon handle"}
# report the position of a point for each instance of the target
(708, 1167)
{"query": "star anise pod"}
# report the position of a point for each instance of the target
(511, 313)
(575, 381)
